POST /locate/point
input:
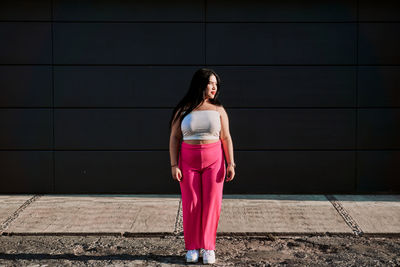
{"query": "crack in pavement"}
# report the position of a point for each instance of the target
(178, 229)
(14, 216)
(345, 215)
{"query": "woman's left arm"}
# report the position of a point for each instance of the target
(227, 143)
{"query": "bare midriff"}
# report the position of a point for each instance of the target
(199, 142)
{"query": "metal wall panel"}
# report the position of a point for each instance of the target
(382, 10)
(293, 172)
(26, 171)
(378, 86)
(26, 129)
(25, 43)
(281, 43)
(281, 11)
(378, 128)
(114, 172)
(379, 43)
(379, 171)
(122, 129)
(132, 10)
(128, 43)
(288, 86)
(120, 86)
(293, 128)
(26, 86)
(25, 10)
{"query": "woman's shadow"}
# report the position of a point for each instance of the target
(126, 257)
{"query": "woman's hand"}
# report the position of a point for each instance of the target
(176, 173)
(230, 171)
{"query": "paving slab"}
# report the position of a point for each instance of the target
(98, 214)
(373, 213)
(9, 204)
(278, 213)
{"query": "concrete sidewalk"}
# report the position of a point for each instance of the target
(147, 215)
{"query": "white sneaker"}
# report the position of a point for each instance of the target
(208, 256)
(192, 255)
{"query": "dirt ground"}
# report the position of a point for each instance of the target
(318, 250)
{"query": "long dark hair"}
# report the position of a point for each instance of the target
(194, 96)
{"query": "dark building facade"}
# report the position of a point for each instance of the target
(312, 90)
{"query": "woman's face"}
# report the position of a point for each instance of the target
(211, 89)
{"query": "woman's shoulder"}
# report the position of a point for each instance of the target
(222, 111)
(215, 107)
(220, 108)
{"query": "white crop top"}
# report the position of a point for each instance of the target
(201, 125)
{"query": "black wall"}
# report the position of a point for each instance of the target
(312, 90)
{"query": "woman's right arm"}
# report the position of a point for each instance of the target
(174, 143)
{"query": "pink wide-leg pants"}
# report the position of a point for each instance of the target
(203, 175)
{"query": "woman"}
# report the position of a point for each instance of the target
(198, 162)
